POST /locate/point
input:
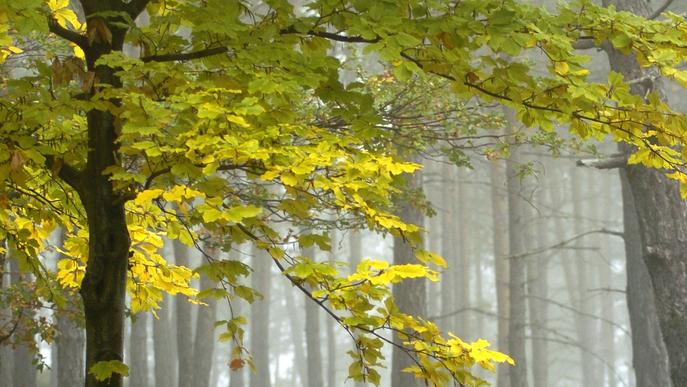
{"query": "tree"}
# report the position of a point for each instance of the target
(183, 141)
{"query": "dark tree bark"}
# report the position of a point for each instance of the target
(662, 216)
(260, 319)
(410, 295)
(649, 355)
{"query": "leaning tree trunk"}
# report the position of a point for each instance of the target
(410, 295)
(662, 216)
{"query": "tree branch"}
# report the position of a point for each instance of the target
(611, 162)
(186, 56)
(66, 172)
(69, 35)
(222, 49)
(135, 7)
(660, 10)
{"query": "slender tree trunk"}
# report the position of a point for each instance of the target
(163, 341)
(204, 343)
(537, 295)
(448, 216)
(312, 337)
(410, 295)
(355, 246)
(138, 361)
(237, 378)
(184, 320)
(499, 208)
(260, 319)
(517, 269)
(607, 332)
(6, 356)
(649, 354)
(330, 328)
(461, 242)
(299, 366)
(584, 324)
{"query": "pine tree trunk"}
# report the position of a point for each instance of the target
(260, 319)
(410, 295)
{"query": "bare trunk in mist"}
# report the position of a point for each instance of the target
(449, 304)
(312, 336)
(462, 219)
(517, 270)
(184, 324)
(603, 209)
(580, 293)
(499, 208)
(649, 354)
(204, 343)
(330, 327)
(260, 319)
(410, 295)
(537, 289)
(138, 359)
(296, 330)
(163, 343)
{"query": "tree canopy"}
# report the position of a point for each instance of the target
(222, 122)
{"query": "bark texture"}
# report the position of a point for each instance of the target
(138, 361)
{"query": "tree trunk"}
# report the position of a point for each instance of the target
(649, 354)
(312, 336)
(410, 294)
(299, 364)
(138, 366)
(448, 284)
(517, 279)
(355, 247)
(662, 216)
(260, 319)
(6, 357)
(330, 327)
(163, 342)
(184, 320)
(580, 293)
(499, 208)
(204, 344)
(103, 288)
